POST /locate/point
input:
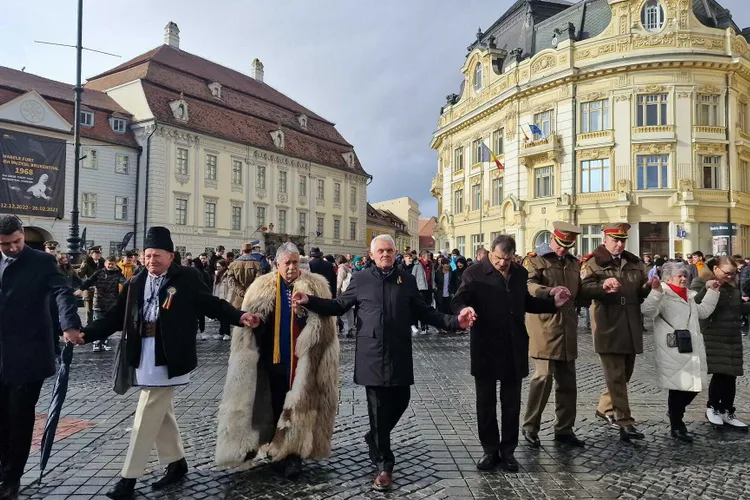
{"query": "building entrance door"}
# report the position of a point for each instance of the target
(654, 238)
(36, 236)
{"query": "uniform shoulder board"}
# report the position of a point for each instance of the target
(531, 254)
(587, 257)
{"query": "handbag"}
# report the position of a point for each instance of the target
(123, 375)
(680, 339)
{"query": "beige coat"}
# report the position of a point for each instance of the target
(240, 275)
(553, 336)
(616, 320)
(246, 428)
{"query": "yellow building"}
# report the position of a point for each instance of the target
(407, 210)
(642, 107)
(382, 221)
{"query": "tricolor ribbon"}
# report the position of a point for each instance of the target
(171, 291)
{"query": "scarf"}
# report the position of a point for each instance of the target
(682, 292)
(428, 273)
(283, 308)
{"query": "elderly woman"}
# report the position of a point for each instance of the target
(723, 338)
(680, 370)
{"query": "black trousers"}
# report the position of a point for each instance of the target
(427, 297)
(444, 304)
(385, 405)
(17, 403)
(721, 392)
(279, 382)
(677, 401)
(510, 405)
(224, 327)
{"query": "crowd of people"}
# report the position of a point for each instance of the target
(281, 392)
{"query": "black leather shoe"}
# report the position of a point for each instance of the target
(9, 490)
(175, 472)
(293, 467)
(570, 440)
(123, 490)
(609, 419)
(682, 435)
(510, 463)
(532, 439)
(488, 461)
(630, 432)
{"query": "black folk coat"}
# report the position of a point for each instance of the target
(499, 340)
(176, 326)
(388, 304)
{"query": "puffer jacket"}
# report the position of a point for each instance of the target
(721, 330)
(679, 371)
(106, 286)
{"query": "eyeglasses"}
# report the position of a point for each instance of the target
(728, 275)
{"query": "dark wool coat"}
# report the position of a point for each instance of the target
(499, 341)
(721, 330)
(388, 304)
(175, 328)
(27, 340)
(324, 268)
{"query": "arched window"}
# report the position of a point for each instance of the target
(478, 77)
(652, 16)
(542, 238)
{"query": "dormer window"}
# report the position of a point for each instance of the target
(652, 16)
(119, 125)
(478, 77)
(278, 138)
(180, 109)
(215, 88)
(87, 118)
(302, 121)
(349, 158)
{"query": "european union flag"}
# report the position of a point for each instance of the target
(536, 130)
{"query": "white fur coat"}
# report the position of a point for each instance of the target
(246, 428)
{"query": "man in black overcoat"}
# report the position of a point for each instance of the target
(319, 265)
(495, 288)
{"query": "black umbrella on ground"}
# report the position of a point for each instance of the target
(55, 406)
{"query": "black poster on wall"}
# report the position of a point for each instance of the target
(32, 174)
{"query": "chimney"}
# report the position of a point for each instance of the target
(257, 70)
(172, 35)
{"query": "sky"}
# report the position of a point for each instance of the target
(379, 70)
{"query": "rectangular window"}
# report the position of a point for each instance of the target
(707, 113)
(458, 201)
(493, 235)
(237, 172)
(122, 164)
(260, 216)
(476, 148)
(591, 237)
(210, 214)
(458, 159)
(236, 218)
(461, 244)
(180, 212)
(91, 158)
(113, 247)
(282, 181)
(497, 191)
(321, 189)
(260, 180)
(476, 243)
(336, 229)
(711, 171)
(652, 110)
(476, 197)
(652, 171)
(121, 208)
(353, 230)
(546, 122)
(498, 145)
(282, 221)
(353, 196)
(742, 117)
(320, 226)
(303, 186)
(336, 192)
(544, 182)
(595, 176)
(211, 167)
(87, 118)
(119, 125)
(182, 161)
(301, 222)
(89, 202)
(594, 116)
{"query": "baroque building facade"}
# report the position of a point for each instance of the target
(640, 109)
(229, 159)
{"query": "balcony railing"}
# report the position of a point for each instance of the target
(551, 143)
(702, 129)
(654, 129)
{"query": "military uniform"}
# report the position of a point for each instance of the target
(51, 246)
(553, 337)
(616, 321)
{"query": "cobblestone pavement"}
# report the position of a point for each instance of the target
(435, 443)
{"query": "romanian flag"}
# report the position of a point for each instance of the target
(488, 152)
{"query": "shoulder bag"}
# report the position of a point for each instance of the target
(680, 339)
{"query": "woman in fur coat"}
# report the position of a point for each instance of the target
(281, 391)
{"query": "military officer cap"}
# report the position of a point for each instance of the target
(618, 230)
(96, 249)
(565, 233)
(51, 244)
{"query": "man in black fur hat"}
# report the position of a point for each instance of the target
(158, 309)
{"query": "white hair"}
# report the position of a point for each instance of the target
(382, 237)
(286, 248)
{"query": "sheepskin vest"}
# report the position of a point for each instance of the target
(246, 428)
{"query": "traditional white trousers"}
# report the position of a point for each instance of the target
(154, 424)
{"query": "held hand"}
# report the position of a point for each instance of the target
(250, 320)
(715, 285)
(298, 300)
(466, 317)
(655, 284)
(611, 285)
(557, 290)
(74, 336)
(561, 299)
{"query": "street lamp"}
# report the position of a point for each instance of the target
(74, 240)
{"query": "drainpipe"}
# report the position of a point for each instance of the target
(575, 154)
(148, 171)
(137, 180)
(729, 166)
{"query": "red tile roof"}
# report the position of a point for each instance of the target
(246, 113)
(59, 95)
(426, 243)
(427, 226)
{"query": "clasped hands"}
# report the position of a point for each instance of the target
(561, 295)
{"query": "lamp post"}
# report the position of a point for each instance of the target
(74, 240)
